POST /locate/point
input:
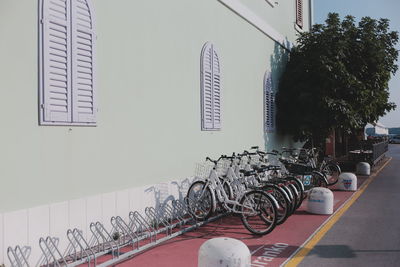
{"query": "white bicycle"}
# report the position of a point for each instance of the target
(258, 209)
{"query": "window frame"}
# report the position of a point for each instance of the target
(299, 15)
(269, 98)
(215, 79)
(73, 119)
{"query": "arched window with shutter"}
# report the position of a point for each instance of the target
(269, 103)
(67, 62)
(210, 88)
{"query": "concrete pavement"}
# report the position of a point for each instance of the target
(368, 234)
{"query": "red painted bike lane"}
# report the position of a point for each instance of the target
(269, 250)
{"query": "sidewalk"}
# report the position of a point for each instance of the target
(277, 246)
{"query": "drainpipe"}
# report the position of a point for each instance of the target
(311, 12)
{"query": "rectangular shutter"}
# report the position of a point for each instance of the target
(269, 103)
(206, 86)
(56, 51)
(299, 13)
(83, 47)
(216, 92)
(272, 112)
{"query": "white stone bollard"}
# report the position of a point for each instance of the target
(320, 201)
(224, 252)
(363, 168)
(347, 181)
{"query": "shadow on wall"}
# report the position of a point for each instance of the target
(165, 193)
(278, 62)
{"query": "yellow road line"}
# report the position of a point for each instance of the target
(317, 236)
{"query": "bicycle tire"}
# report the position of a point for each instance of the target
(229, 192)
(200, 204)
(290, 195)
(332, 172)
(296, 196)
(300, 189)
(282, 198)
(258, 210)
(319, 179)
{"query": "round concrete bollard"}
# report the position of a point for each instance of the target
(363, 168)
(320, 201)
(224, 252)
(347, 181)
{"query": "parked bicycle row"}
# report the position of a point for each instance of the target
(263, 188)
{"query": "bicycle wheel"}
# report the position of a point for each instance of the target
(318, 180)
(227, 188)
(283, 201)
(258, 212)
(229, 193)
(200, 200)
(296, 196)
(332, 172)
(300, 190)
(290, 196)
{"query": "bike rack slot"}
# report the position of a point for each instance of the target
(51, 252)
(143, 228)
(85, 252)
(17, 257)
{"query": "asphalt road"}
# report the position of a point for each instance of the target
(368, 234)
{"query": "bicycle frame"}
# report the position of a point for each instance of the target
(230, 205)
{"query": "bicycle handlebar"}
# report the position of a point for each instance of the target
(249, 153)
(216, 161)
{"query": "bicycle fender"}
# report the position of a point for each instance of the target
(300, 182)
(280, 190)
(275, 202)
(322, 175)
(337, 165)
(214, 207)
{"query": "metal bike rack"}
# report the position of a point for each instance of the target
(51, 253)
(17, 257)
(137, 234)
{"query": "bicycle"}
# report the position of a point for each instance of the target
(257, 209)
(253, 179)
(293, 187)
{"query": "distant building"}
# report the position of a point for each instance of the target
(378, 129)
(395, 131)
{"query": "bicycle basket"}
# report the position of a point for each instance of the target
(298, 168)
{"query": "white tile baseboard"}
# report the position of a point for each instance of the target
(25, 227)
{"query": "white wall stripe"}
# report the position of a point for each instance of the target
(15, 230)
(38, 226)
(257, 22)
(25, 227)
(59, 223)
(108, 208)
(1, 239)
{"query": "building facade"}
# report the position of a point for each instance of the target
(111, 106)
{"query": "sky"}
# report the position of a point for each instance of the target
(376, 9)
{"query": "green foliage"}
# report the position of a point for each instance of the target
(337, 78)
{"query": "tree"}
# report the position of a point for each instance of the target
(337, 78)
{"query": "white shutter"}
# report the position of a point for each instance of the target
(216, 91)
(210, 88)
(83, 48)
(56, 62)
(299, 13)
(269, 103)
(207, 87)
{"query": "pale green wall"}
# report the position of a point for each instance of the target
(148, 63)
(282, 16)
